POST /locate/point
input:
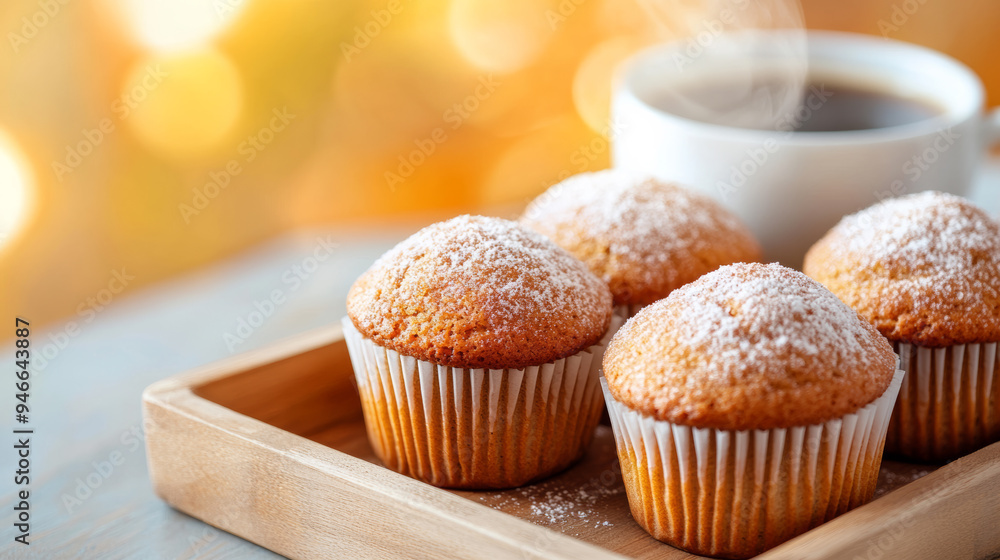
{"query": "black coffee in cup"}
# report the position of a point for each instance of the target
(822, 106)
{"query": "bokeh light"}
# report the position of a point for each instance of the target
(499, 36)
(593, 79)
(183, 105)
(15, 190)
(368, 94)
(178, 24)
(185, 82)
(538, 160)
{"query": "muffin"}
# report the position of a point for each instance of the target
(643, 236)
(925, 270)
(748, 407)
(476, 346)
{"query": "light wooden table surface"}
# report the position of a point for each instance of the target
(86, 401)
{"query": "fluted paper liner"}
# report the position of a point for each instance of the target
(948, 405)
(476, 428)
(735, 494)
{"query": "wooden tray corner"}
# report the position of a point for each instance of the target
(271, 446)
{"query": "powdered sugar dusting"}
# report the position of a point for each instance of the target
(935, 244)
(474, 276)
(646, 224)
(515, 270)
(622, 207)
(743, 321)
(559, 506)
(581, 501)
(898, 475)
(749, 344)
(568, 509)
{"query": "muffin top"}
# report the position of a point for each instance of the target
(749, 346)
(923, 268)
(477, 292)
(643, 236)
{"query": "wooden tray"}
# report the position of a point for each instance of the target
(271, 447)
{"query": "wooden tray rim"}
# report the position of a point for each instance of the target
(972, 473)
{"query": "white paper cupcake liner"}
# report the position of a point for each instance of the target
(737, 493)
(475, 428)
(948, 405)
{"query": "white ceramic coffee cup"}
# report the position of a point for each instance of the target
(791, 187)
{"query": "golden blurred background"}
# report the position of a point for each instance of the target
(143, 138)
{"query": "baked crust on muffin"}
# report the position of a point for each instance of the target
(643, 236)
(924, 269)
(478, 292)
(748, 346)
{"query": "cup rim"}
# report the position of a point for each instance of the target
(835, 42)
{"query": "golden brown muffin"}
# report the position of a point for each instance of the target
(480, 292)
(475, 347)
(643, 236)
(748, 346)
(923, 268)
(726, 395)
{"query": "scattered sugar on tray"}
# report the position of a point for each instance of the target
(559, 505)
(890, 480)
(570, 504)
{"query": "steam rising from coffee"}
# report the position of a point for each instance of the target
(741, 62)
